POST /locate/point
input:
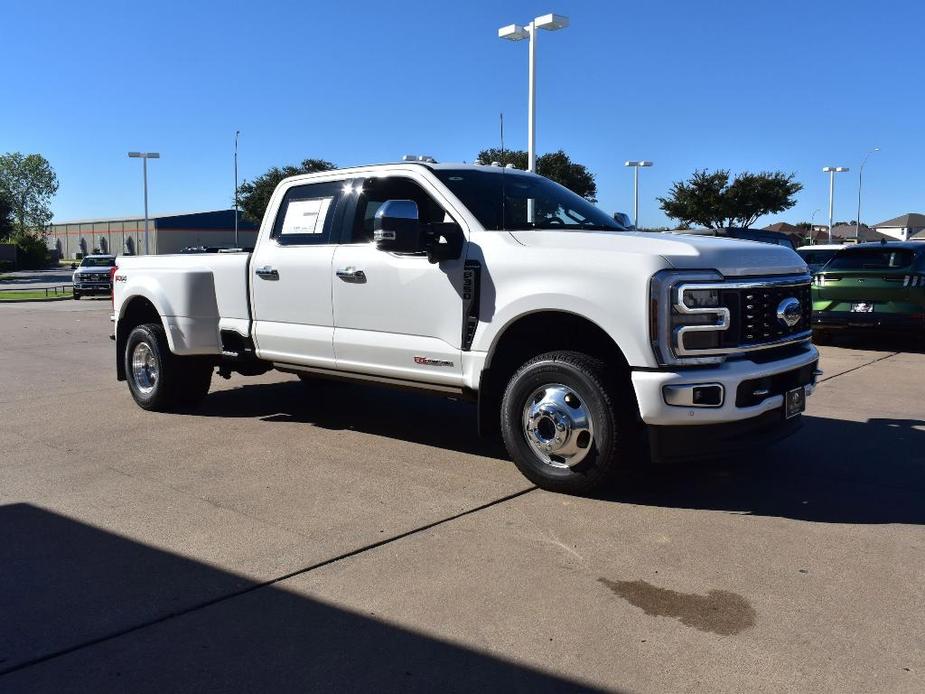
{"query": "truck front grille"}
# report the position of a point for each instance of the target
(753, 314)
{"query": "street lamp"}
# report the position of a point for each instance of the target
(516, 32)
(144, 156)
(857, 220)
(812, 226)
(636, 165)
(831, 171)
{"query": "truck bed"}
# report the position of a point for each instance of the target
(197, 295)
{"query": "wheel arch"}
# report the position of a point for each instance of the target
(532, 334)
(135, 311)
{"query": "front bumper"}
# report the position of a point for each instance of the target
(775, 376)
(846, 320)
(94, 288)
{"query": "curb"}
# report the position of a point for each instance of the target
(37, 301)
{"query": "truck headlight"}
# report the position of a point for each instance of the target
(687, 319)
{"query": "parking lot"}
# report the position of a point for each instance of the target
(345, 537)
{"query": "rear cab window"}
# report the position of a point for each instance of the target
(872, 259)
(817, 257)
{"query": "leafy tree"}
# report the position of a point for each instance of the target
(6, 217)
(557, 166)
(752, 195)
(701, 200)
(710, 200)
(29, 183)
(254, 196)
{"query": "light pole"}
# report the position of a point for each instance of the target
(144, 156)
(831, 171)
(236, 133)
(516, 32)
(636, 165)
(857, 220)
(812, 226)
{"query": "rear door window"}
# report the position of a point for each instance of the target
(309, 215)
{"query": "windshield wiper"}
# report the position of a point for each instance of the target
(599, 227)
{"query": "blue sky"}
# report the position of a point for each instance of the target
(739, 85)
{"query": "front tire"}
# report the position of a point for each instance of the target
(76, 296)
(568, 423)
(158, 379)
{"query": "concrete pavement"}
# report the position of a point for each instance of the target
(345, 537)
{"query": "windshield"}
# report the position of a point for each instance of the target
(872, 259)
(500, 200)
(98, 262)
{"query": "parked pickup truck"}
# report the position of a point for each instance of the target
(93, 275)
(584, 345)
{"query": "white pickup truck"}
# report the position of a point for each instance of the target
(588, 347)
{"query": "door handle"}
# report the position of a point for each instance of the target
(349, 274)
(268, 273)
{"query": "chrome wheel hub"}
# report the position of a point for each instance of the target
(144, 368)
(557, 425)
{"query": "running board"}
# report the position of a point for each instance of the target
(402, 383)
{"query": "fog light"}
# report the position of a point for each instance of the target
(695, 395)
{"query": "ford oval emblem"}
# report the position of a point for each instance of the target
(789, 311)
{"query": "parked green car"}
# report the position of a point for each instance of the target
(871, 287)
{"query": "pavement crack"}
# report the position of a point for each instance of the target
(860, 366)
(206, 500)
(264, 584)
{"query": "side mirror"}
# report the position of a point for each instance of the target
(397, 227)
(624, 220)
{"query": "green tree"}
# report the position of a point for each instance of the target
(6, 217)
(254, 196)
(557, 166)
(700, 200)
(29, 183)
(708, 198)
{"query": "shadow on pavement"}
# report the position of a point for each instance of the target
(878, 342)
(832, 470)
(421, 418)
(65, 585)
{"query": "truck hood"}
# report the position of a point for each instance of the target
(731, 257)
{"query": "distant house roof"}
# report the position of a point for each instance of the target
(911, 220)
(784, 227)
(847, 231)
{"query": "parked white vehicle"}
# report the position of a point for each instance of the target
(579, 341)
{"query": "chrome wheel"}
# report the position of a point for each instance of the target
(557, 424)
(144, 368)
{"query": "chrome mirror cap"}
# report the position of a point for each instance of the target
(398, 209)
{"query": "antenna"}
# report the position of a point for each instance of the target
(501, 118)
(503, 186)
